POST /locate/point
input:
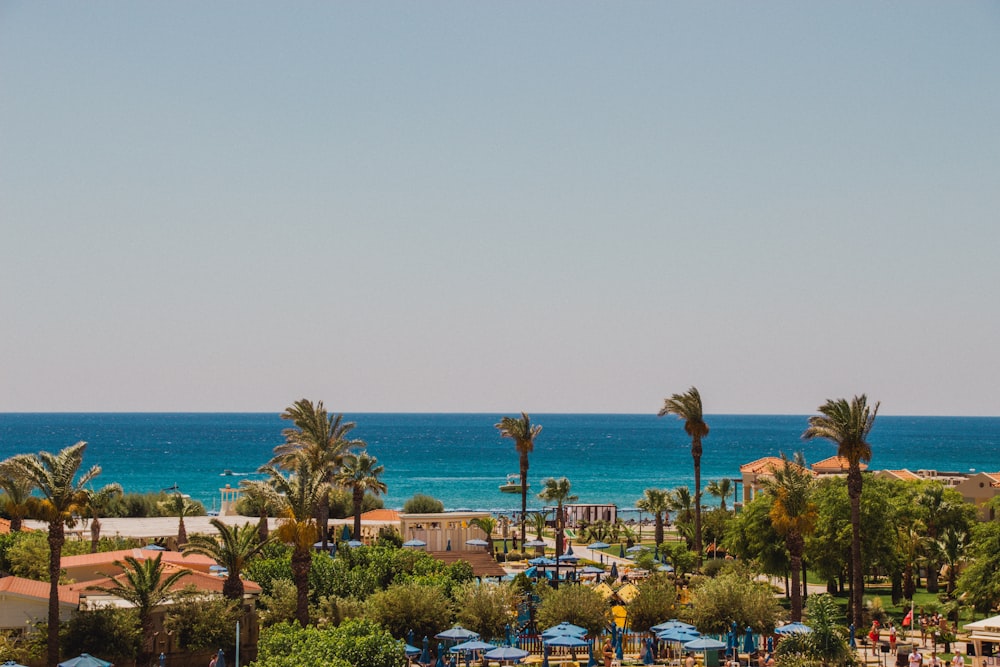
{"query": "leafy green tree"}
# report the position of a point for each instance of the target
(421, 503)
(715, 526)
(721, 489)
(538, 521)
(199, 621)
(847, 425)
(735, 595)
(322, 440)
(143, 583)
(28, 557)
(953, 546)
(579, 605)
(751, 537)
(939, 508)
(656, 601)
(980, 582)
(657, 503)
(687, 406)
(682, 559)
(355, 643)
(106, 631)
(300, 492)
(486, 608)
(233, 549)
(97, 505)
(278, 602)
(62, 498)
(558, 491)
(523, 434)
(424, 609)
(361, 474)
(793, 515)
(825, 645)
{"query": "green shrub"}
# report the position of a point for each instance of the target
(423, 504)
(424, 609)
(109, 632)
(356, 643)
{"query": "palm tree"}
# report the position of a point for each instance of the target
(793, 515)
(62, 497)
(953, 545)
(538, 521)
(558, 491)
(97, 504)
(233, 549)
(687, 406)
(847, 425)
(657, 503)
(721, 489)
(260, 498)
(360, 473)
(322, 438)
(826, 644)
(17, 487)
(145, 586)
(300, 491)
(523, 434)
(179, 506)
(488, 525)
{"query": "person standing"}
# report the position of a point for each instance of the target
(609, 652)
(892, 638)
(916, 660)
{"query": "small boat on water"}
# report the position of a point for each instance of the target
(513, 484)
(227, 473)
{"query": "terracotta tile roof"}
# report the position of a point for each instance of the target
(904, 475)
(30, 588)
(109, 558)
(201, 580)
(380, 515)
(838, 463)
(5, 527)
(482, 563)
(765, 465)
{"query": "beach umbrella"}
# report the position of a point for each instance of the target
(614, 570)
(678, 635)
(440, 656)
(506, 654)
(472, 646)
(448, 548)
(531, 572)
(619, 647)
(545, 655)
(568, 558)
(598, 545)
(505, 546)
(590, 569)
(704, 644)
(220, 659)
(671, 624)
(730, 641)
(569, 550)
(457, 634)
(425, 654)
(11, 663)
(85, 660)
(564, 629)
(345, 534)
(409, 637)
(770, 644)
(637, 548)
(795, 628)
(477, 543)
(621, 551)
(150, 547)
(541, 560)
(410, 651)
(748, 643)
(414, 543)
(218, 569)
(568, 641)
(535, 543)
(853, 641)
(355, 543)
(647, 655)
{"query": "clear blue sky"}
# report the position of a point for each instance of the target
(551, 207)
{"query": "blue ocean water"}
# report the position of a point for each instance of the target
(460, 458)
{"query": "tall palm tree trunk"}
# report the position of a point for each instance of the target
(145, 655)
(795, 545)
(524, 494)
(696, 455)
(95, 534)
(857, 579)
(232, 589)
(57, 537)
(358, 498)
(658, 534)
(301, 559)
(263, 531)
(323, 519)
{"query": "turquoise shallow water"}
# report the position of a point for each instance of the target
(461, 459)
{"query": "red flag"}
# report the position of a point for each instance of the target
(908, 618)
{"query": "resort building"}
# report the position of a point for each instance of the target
(90, 567)
(25, 602)
(443, 531)
(754, 473)
(578, 513)
(980, 488)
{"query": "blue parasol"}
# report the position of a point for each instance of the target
(410, 637)
(345, 534)
(545, 655)
(680, 635)
(770, 644)
(614, 570)
(704, 644)
(425, 654)
(564, 629)
(619, 647)
(647, 654)
(440, 656)
(795, 628)
(220, 659)
(506, 653)
(414, 543)
(85, 660)
(748, 642)
(672, 623)
(410, 651)
(448, 548)
(567, 641)
(621, 551)
(458, 634)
